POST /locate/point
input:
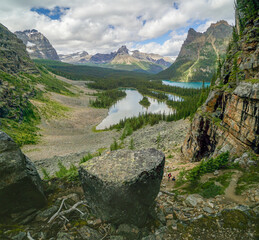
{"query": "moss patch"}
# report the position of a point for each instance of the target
(249, 179)
(234, 219)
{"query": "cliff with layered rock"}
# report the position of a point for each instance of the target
(229, 119)
(199, 53)
(37, 45)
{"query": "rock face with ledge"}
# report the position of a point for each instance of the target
(121, 186)
(20, 184)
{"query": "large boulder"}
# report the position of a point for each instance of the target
(121, 186)
(20, 184)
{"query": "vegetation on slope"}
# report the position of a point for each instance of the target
(110, 81)
(18, 116)
(88, 73)
(199, 53)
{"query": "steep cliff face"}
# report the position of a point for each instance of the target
(229, 119)
(37, 45)
(13, 55)
(198, 55)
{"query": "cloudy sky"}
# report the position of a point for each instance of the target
(158, 26)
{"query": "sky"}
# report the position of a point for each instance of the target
(152, 26)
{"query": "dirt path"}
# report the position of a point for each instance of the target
(230, 190)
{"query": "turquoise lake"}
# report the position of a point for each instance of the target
(186, 84)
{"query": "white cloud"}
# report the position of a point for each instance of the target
(169, 48)
(103, 26)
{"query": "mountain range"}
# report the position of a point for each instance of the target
(199, 53)
(123, 58)
(196, 61)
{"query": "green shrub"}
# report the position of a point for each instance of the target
(210, 190)
(158, 140)
(115, 146)
(90, 155)
(127, 131)
(46, 175)
(249, 179)
(70, 174)
(220, 162)
(131, 146)
(212, 164)
(86, 158)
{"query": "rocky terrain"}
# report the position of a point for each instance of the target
(199, 53)
(116, 194)
(176, 214)
(37, 45)
(228, 121)
(121, 59)
(21, 186)
(14, 57)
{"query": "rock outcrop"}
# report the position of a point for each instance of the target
(121, 186)
(13, 55)
(229, 119)
(20, 185)
(37, 45)
(198, 55)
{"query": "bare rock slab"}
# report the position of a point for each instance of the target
(121, 186)
(20, 184)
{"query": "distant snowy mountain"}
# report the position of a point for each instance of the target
(123, 58)
(37, 45)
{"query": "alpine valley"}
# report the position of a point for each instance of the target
(70, 170)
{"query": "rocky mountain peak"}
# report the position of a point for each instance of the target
(123, 50)
(219, 29)
(83, 53)
(28, 31)
(37, 45)
(123, 56)
(192, 34)
(221, 22)
(198, 55)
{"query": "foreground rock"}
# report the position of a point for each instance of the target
(121, 186)
(20, 185)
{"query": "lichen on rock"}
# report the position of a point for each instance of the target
(121, 186)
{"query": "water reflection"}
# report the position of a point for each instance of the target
(129, 107)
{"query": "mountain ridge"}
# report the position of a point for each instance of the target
(199, 53)
(123, 59)
(14, 57)
(228, 120)
(37, 45)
